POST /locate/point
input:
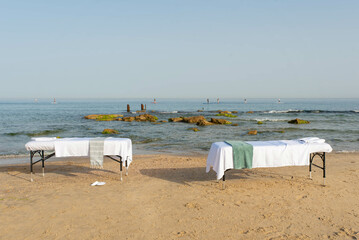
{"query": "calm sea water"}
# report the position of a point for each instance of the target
(336, 120)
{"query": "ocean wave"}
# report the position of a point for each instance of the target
(35, 134)
(347, 151)
(309, 111)
(166, 112)
(14, 155)
(281, 111)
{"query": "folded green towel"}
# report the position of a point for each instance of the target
(242, 154)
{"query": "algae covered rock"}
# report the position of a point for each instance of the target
(253, 132)
(146, 117)
(194, 119)
(224, 112)
(250, 112)
(226, 115)
(298, 121)
(128, 119)
(194, 129)
(176, 119)
(110, 131)
(204, 123)
(220, 121)
(104, 117)
(235, 124)
(259, 122)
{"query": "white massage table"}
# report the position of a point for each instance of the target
(117, 149)
(269, 154)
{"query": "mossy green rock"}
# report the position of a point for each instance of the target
(194, 119)
(110, 131)
(298, 121)
(220, 121)
(259, 122)
(104, 117)
(194, 129)
(203, 123)
(226, 115)
(177, 119)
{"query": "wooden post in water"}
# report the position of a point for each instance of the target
(128, 108)
(142, 108)
(145, 106)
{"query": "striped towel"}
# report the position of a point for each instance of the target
(96, 152)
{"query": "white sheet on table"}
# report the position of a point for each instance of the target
(265, 154)
(119, 146)
(72, 147)
(43, 138)
(79, 147)
(312, 140)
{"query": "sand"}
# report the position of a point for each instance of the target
(172, 197)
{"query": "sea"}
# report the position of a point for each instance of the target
(335, 120)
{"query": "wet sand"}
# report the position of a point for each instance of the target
(172, 197)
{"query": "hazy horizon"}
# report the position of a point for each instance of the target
(179, 49)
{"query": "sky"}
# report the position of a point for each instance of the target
(179, 49)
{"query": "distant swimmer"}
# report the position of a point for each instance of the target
(207, 100)
(278, 100)
(245, 100)
(154, 101)
(217, 100)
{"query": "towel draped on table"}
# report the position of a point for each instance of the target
(242, 154)
(96, 152)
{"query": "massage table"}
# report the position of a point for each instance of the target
(117, 149)
(270, 154)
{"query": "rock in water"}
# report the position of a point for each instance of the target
(220, 121)
(204, 123)
(178, 119)
(110, 131)
(298, 121)
(194, 119)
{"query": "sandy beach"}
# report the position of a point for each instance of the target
(172, 197)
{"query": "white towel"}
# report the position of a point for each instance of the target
(43, 139)
(312, 140)
(96, 152)
(72, 147)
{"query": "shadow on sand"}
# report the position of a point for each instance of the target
(186, 175)
(67, 169)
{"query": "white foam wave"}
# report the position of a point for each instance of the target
(357, 111)
(282, 111)
(347, 151)
(170, 112)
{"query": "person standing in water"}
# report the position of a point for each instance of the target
(207, 100)
(217, 100)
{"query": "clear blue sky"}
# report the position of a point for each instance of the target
(226, 49)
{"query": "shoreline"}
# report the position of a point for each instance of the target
(10, 160)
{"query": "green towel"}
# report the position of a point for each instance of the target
(242, 154)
